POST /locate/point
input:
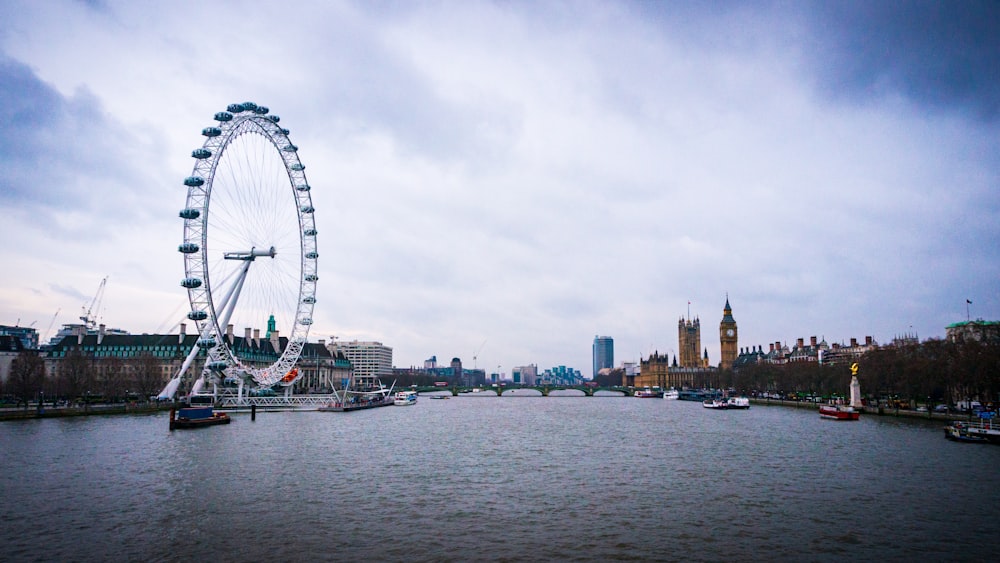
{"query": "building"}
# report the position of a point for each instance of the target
(653, 371)
(27, 335)
(141, 364)
(689, 339)
(987, 332)
(728, 338)
(603, 353)
(10, 348)
(560, 375)
(525, 375)
(371, 361)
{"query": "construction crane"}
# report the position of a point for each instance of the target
(95, 307)
(48, 331)
(475, 354)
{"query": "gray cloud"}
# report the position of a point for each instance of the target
(531, 174)
(941, 55)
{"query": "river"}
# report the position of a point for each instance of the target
(498, 478)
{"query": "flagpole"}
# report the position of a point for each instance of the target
(967, 317)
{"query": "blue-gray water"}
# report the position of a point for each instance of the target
(487, 478)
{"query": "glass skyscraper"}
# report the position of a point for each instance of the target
(604, 353)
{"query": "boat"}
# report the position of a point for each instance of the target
(439, 397)
(369, 395)
(404, 398)
(839, 412)
(648, 393)
(983, 427)
(672, 394)
(958, 431)
(738, 403)
(731, 403)
(196, 417)
(699, 395)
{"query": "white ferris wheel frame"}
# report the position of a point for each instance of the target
(209, 311)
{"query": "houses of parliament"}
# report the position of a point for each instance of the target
(692, 368)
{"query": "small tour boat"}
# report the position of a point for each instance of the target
(672, 394)
(959, 432)
(732, 403)
(839, 412)
(196, 417)
(647, 393)
(405, 398)
(738, 403)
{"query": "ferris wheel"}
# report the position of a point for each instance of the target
(249, 251)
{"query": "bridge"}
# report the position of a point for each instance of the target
(543, 389)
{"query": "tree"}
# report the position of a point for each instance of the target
(76, 374)
(146, 377)
(27, 374)
(113, 384)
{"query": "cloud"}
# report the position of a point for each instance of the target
(944, 56)
(529, 174)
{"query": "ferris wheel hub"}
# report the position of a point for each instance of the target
(251, 254)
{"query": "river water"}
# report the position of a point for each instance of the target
(479, 478)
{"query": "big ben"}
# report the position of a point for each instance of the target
(727, 337)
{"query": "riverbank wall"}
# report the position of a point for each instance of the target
(878, 411)
(59, 412)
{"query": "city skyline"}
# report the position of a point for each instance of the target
(525, 175)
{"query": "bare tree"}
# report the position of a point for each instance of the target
(27, 374)
(76, 374)
(146, 378)
(113, 384)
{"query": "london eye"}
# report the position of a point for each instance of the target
(249, 249)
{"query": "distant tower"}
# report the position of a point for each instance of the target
(728, 337)
(604, 353)
(689, 340)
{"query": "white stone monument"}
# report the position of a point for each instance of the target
(855, 387)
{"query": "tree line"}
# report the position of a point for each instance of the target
(79, 377)
(934, 371)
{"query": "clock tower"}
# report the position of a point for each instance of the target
(727, 337)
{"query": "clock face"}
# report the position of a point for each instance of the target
(730, 332)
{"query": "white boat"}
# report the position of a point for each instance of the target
(672, 394)
(732, 403)
(738, 403)
(404, 398)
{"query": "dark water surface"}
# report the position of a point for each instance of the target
(507, 479)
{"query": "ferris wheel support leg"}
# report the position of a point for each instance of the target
(171, 388)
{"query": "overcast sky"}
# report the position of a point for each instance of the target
(518, 177)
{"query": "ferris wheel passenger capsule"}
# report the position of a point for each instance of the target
(197, 315)
(223, 116)
(201, 153)
(211, 131)
(188, 248)
(189, 213)
(191, 283)
(235, 108)
(206, 343)
(194, 181)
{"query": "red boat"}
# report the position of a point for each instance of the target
(838, 412)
